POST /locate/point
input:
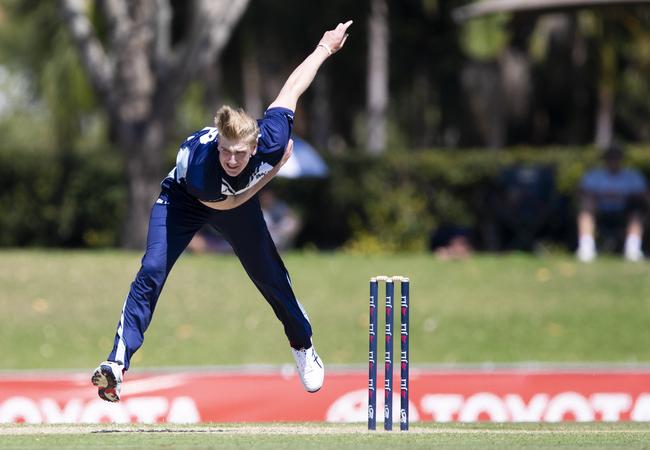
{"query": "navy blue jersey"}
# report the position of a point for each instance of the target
(197, 163)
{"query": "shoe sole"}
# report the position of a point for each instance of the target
(109, 395)
(104, 379)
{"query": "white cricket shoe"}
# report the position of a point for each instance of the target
(310, 368)
(108, 378)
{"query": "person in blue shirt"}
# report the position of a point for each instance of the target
(612, 198)
(218, 172)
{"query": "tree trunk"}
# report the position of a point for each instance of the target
(606, 89)
(377, 88)
(140, 195)
(483, 89)
(517, 92)
(140, 145)
(320, 112)
(212, 78)
(251, 78)
(605, 118)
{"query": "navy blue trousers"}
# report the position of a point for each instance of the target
(175, 218)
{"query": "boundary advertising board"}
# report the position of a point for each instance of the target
(191, 396)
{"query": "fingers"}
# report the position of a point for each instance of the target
(341, 28)
(344, 26)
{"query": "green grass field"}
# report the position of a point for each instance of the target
(330, 436)
(60, 309)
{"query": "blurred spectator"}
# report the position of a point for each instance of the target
(207, 239)
(523, 208)
(282, 222)
(612, 198)
(451, 242)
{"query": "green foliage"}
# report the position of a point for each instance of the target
(384, 210)
(394, 202)
(66, 91)
(192, 112)
(61, 181)
(393, 220)
(54, 149)
(26, 33)
(485, 37)
(368, 205)
(53, 199)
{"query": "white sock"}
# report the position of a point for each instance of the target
(587, 242)
(632, 243)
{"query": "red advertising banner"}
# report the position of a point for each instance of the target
(265, 396)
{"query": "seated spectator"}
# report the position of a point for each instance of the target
(282, 222)
(522, 209)
(614, 199)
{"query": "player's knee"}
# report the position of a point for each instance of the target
(153, 272)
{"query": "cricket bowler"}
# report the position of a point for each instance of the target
(218, 172)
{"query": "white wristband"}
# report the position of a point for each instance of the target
(326, 47)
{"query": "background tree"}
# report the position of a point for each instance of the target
(555, 66)
(526, 79)
(377, 73)
(140, 70)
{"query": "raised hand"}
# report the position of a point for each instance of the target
(302, 76)
(333, 40)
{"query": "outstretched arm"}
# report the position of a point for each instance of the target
(300, 79)
(233, 201)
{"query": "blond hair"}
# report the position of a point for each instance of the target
(236, 125)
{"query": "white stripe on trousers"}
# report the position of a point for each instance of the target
(121, 346)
